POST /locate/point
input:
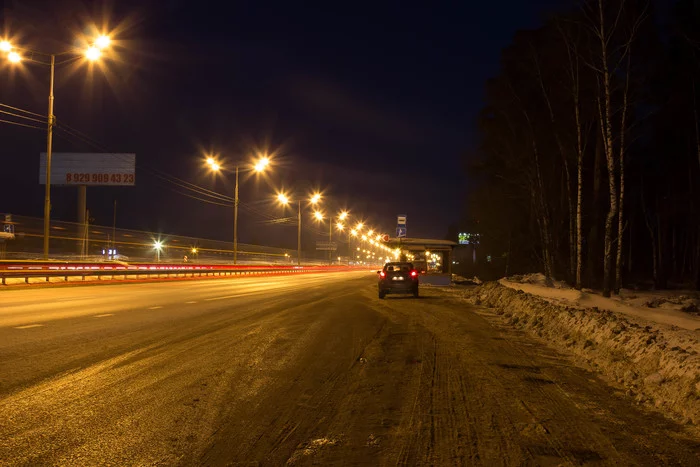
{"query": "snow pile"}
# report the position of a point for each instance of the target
(657, 365)
(663, 307)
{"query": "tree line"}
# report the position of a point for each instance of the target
(588, 167)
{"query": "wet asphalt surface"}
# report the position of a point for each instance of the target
(300, 370)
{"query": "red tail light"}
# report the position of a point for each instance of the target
(414, 273)
(382, 274)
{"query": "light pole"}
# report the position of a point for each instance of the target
(283, 199)
(158, 246)
(340, 226)
(258, 167)
(14, 54)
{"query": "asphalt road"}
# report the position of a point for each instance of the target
(311, 369)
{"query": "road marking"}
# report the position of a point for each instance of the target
(221, 298)
(154, 307)
(72, 299)
(189, 303)
(104, 316)
(28, 326)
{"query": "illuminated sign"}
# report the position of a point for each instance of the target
(468, 238)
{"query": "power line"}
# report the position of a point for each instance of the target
(200, 199)
(22, 124)
(25, 111)
(21, 116)
(157, 173)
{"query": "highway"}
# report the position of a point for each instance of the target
(299, 370)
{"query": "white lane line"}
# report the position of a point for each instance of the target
(190, 303)
(29, 326)
(104, 315)
(154, 307)
(220, 298)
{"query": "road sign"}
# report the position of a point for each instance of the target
(401, 225)
(385, 237)
(69, 168)
(326, 246)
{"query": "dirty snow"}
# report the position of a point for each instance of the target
(669, 308)
(640, 341)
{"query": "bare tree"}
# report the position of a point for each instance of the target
(575, 79)
(620, 217)
(564, 159)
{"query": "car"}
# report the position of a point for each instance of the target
(398, 277)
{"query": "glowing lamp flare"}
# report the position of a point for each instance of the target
(262, 164)
(343, 215)
(213, 165)
(339, 226)
(5, 46)
(315, 198)
(14, 57)
(93, 53)
(318, 215)
(102, 42)
(282, 198)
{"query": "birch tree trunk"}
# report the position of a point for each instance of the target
(620, 217)
(562, 154)
(606, 128)
(576, 231)
(697, 147)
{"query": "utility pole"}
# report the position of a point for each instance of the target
(235, 221)
(114, 227)
(299, 233)
(330, 241)
(49, 147)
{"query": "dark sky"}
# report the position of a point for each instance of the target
(375, 103)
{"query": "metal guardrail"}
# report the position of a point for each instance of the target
(28, 270)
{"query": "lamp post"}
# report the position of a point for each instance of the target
(284, 200)
(14, 54)
(258, 167)
(339, 225)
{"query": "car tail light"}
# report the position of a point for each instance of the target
(414, 273)
(382, 274)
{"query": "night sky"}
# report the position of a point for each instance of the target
(374, 103)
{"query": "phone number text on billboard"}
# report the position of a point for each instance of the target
(77, 178)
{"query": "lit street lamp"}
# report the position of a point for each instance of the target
(14, 55)
(339, 225)
(158, 246)
(259, 166)
(284, 200)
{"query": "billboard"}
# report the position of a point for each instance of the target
(99, 168)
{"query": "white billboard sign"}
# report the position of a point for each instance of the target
(70, 168)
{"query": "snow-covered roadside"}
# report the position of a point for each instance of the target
(669, 308)
(658, 365)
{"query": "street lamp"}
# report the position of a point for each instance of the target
(14, 55)
(158, 246)
(284, 200)
(259, 166)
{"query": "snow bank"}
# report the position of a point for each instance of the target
(657, 365)
(664, 307)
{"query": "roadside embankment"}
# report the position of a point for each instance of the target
(657, 365)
